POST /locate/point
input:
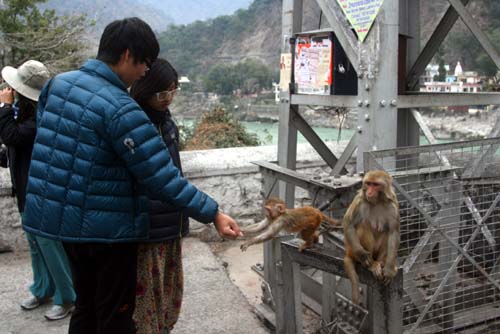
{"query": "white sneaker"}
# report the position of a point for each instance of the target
(58, 312)
(32, 303)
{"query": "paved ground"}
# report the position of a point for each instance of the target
(218, 300)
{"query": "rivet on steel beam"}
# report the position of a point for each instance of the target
(367, 117)
(367, 103)
(360, 129)
(367, 87)
(383, 103)
(360, 103)
(394, 103)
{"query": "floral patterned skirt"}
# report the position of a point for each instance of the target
(159, 287)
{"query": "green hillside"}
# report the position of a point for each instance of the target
(196, 47)
(255, 34)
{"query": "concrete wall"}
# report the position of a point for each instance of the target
(227, 175)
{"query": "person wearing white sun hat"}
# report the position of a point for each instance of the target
(18, 104)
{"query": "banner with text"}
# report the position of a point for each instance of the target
(361, 14)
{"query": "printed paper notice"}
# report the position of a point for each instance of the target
(361, 14)
(285, 71)
(313, 65)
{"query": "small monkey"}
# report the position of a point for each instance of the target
(371, 230)
(305, 220)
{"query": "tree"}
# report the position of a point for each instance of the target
(249, 76)
(28, 33)
(218, 129)
(221, 80)
(441, 76)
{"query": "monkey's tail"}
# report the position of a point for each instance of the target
(332, 225)
(333, 222)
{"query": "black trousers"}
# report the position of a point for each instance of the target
(104, 278)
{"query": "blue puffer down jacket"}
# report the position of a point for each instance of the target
(95, 152)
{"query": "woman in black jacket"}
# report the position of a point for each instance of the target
(51, 273)
(159, 263)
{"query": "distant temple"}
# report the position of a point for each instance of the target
(459, 82)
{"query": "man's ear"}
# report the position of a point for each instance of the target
(125, 56)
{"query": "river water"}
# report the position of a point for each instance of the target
(267, 133)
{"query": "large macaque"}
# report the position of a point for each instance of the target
(371, 230)
(305, 220)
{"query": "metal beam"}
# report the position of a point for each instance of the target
(287, 157)
(338, 101)
(379, 84)
(314, 139)
(419, 100)
(385, 301)
(470, 22)
(341, 28)
(480, 163)
(430, 149)
(300, 180)
(440, 33)
(346, 155)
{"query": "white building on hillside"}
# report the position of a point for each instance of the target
(460, 82)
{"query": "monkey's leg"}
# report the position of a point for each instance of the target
(310, 237)
(390, 268)
(380, 254)
(353, 276)
(367, 241)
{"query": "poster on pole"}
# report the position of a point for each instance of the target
(313, 64)
(285, 71)
(361, 14)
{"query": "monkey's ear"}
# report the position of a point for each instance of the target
(281, 207)
(268, 209)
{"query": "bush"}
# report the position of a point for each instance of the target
(218, 129)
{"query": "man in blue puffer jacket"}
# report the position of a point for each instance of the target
(95, 154)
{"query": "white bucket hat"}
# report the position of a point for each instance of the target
(28, 79)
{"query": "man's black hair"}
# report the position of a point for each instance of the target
(130, 33)
(160, 77)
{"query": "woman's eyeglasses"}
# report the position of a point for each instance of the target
(167, 94)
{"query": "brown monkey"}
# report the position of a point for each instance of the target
(305, 220)
(371, 230)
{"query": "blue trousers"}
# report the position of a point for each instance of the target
(51, 271)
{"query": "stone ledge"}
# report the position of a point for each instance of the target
(228, 175)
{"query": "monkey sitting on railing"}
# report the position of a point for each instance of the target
(306, 221)
(371, 230)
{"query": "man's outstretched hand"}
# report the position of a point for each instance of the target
(226, 226)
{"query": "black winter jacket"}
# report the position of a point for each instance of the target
(19, 139)
(166, 221)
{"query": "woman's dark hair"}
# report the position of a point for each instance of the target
(27, 108)
(131, 34)
(159, 78)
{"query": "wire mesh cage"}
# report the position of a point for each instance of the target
(449, 198)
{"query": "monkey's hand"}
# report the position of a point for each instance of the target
(376, 269)
(244, 246)
(364, 257)
(390, 272)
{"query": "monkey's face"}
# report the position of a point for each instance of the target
(372, 190)
(272, 211)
